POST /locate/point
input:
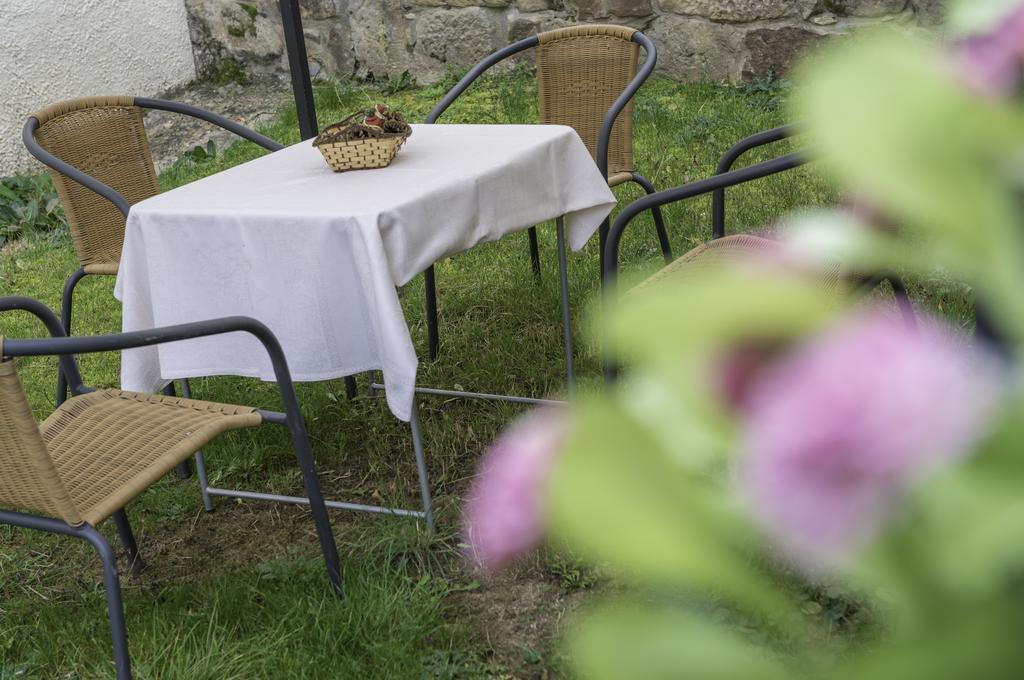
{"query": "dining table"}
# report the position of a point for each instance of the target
(318, 256)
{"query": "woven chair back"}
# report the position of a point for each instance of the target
(28, 478)
(581, 71)
(103, 137)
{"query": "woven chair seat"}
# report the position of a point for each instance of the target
(729, 249)
(109, 446)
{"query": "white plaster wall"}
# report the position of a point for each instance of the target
(52, 50)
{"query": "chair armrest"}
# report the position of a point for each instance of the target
(67, 361)
(28, 137)
(210, 117)
(67, 346)
(612, 113)
(727, 161)
(686, 191)
(752, 142)
(476, 71)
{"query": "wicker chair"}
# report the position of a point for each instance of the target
(97, 153)
(102, 448)
(736, 247)
(586, 78)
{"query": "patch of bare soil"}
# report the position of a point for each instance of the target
(234, 536)
(519, 617)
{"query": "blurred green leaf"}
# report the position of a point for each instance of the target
(616, 497)
(977, 639)
(712, 310)
(683, 416)
(643, 640)
(969, 17)
(889, 119)
(891, 122)
(964, 528)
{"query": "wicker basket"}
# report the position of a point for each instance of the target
(359, 154)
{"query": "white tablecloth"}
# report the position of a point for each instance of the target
(316, 255)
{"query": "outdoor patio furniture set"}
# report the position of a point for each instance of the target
(203, 262)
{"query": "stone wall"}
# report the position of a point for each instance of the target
(725, 40)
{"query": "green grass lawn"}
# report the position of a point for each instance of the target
(242, 593)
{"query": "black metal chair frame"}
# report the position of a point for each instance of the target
(66, 347)
(607, 123)
(716, 185)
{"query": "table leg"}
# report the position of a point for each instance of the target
(421, 468)
(184, 471)
(204, 482)
(563, 278)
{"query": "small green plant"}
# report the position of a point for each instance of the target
(240, 27)
(249, 9)
(451, 77)
(225, 71)
(397, 83)
(452, 664)
(202, 154)
(334, 94)
(573, 573)
(766, 93)
(28, 204)
(701, 129)
(196, 156)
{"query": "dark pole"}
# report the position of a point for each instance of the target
(302, 88)
(298, 64)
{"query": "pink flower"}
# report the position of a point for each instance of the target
(739, 368)
(506, 513)
(839, 429)
(993, 63)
